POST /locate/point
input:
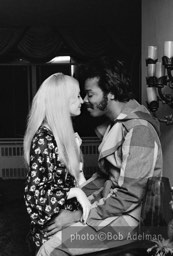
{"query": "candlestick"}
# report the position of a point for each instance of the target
(152, 52)
(159, 77)
(151, 94)
(159, 70)
(168, 49)
(151, 68)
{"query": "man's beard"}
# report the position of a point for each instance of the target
(103, 104)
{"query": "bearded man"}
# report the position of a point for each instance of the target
(129, 153)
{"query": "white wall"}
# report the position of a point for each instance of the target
(157, 27)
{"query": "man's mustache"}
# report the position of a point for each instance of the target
(88, 105)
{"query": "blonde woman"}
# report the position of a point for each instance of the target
(51, 151)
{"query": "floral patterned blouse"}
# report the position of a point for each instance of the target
(47, 184)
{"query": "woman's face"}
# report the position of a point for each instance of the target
(75, 100)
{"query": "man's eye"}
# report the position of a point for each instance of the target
(90, 95)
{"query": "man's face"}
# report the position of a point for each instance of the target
(95, 100)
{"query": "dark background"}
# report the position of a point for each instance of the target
(37, 31)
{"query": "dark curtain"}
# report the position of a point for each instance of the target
(40, 44)
(9, 38)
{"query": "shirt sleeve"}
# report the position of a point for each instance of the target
(138, 153)
(47, 183)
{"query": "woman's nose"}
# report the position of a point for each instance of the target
(81, 100)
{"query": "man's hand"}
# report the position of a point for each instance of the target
(64, 219)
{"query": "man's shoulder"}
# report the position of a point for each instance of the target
(132, 123)
(143, 131)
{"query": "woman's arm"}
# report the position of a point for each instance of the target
(82, 199)
(65, 218)
(82, 179)
(46, 190)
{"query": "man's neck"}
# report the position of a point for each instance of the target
(114, 109)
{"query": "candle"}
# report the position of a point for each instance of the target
(159, 70)
(151, 68)
(152, 52)
(151, 94)
(168, 49)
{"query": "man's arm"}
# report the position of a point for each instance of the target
(64, 219)
(139, 154)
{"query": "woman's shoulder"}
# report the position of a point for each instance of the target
(44, 130)
(43, 134)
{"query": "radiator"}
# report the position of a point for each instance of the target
(12, 164)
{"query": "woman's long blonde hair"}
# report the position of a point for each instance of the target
(51, 105)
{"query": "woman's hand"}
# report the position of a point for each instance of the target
(85, 204)
(83, 200)
(82, 179)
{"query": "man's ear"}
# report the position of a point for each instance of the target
(111, 96)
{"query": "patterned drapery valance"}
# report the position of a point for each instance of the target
(40, 44)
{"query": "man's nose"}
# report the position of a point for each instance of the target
(81, 100)
(85, 99)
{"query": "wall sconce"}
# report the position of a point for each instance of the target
(159, 77)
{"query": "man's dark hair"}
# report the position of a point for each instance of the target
(112, 75)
